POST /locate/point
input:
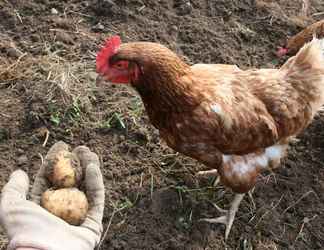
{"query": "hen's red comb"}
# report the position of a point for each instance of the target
(109, 49)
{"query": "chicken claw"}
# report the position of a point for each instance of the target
(229, 216)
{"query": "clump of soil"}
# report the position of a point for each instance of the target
(153, 200)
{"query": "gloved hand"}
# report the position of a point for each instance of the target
(28, 225)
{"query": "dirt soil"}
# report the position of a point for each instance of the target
(153, 200)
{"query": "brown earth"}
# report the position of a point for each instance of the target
(153, 201)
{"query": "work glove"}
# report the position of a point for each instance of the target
(28, 225)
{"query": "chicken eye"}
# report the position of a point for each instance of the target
(119, 65)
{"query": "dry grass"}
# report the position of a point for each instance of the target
(67, 83)
(64, 76)
(266, 245)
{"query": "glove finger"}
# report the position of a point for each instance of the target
(85, 156)
(17, 187)
(96, 197)
(41, 183)
(58, 146)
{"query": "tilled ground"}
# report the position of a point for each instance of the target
(153, 201)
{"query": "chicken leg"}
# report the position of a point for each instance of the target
(229, 216)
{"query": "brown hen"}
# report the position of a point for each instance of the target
(238, 122)
(297, 41)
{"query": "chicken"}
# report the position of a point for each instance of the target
(234, 121)
(294, 43)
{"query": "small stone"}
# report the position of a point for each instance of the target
(185, 9)
(22, 160)
(54, 11)
(98, 27)
(14, 52)
(92, 75)
(85, 4)
(20, 151)
(174, 28)
(306, 220)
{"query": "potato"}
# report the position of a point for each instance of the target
(63, 169)
(70, 204)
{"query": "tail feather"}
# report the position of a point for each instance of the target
(313, 53)
(305, 72)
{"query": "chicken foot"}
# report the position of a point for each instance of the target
(229, 216)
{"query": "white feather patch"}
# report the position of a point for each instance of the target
(246, 163)
(274, 152)
(226, 119)
(217, 109)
